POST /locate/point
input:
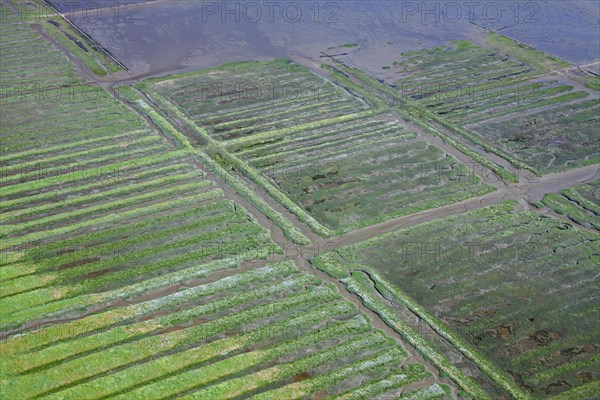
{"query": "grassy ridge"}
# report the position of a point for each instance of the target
(579, 203)
(232, 180)
(356, 284)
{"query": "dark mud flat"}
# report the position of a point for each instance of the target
(574, 28)
(158, 36)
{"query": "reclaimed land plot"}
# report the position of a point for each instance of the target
(552, 140)
(362, 172)
(99, 202)
(29, 67)
(267, 332)
(515, 292)
(29, 60)
(342, 170)
(240, 100)
(508, 99)
(163, 322)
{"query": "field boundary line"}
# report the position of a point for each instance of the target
(443, 330)
(416, 113)
(343, 274)
(167, 128)
(86, 36)
(246, 170)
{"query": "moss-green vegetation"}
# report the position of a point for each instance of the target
(241, 99)
(30, 68)
(425, 119)
(348, 177)
(269, 98)
(217, 329)
(66, 36)
(543, 62)
(358, 283)
(33, 18)
(394, 380)
(553, 140)
(240, 187)
(477, 93)
(335, 173)
(490, 282)
(129, 270)
(593, 83)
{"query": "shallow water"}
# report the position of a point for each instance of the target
(158, 36)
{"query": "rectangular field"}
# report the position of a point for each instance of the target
(266, 332)
(248, 98)
(565, 136)
(514, 101)
(363, 172)
(512, 287)
(354, 166)
(29, 35)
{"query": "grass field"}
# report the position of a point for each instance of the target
(101, 201)
(249, 98)
(507, 99)
(127, 272)
(563, 137)
(348, 168)
(30, 67)
(359, 173)
(264, 331)
(24, 67)
(494, 283)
